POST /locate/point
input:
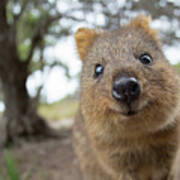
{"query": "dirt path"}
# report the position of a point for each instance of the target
(49, 160)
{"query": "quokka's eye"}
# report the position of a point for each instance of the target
(98, 70)
(145, 58)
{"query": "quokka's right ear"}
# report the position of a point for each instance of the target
(84, 38)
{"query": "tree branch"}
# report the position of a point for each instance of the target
(39, 33)
(62, 65)
(72, 18)
(3, 18)
(23, 8)
(42, 64)
(42, 29)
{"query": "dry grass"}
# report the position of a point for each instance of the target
(64, 109)
(177, 67)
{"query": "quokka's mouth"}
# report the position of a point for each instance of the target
(129, 110)
(130, 113)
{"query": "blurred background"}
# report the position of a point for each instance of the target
(40, 70)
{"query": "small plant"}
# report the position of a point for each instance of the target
(10, 166)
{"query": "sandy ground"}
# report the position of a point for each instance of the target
(52, 159)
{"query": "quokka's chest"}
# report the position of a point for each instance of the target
(154, 162)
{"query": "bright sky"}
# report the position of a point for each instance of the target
(56, 85)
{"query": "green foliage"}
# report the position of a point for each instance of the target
(10, 166)
(23, 50)
(26, 26)
(25, 29)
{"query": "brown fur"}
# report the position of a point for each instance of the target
(143, 22)
(84, 37)
(175, 171)
(110, 145)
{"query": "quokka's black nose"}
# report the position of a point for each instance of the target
(126, 89)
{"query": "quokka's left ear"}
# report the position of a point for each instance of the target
(143, 22)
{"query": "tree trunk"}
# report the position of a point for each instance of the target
(20, 118)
